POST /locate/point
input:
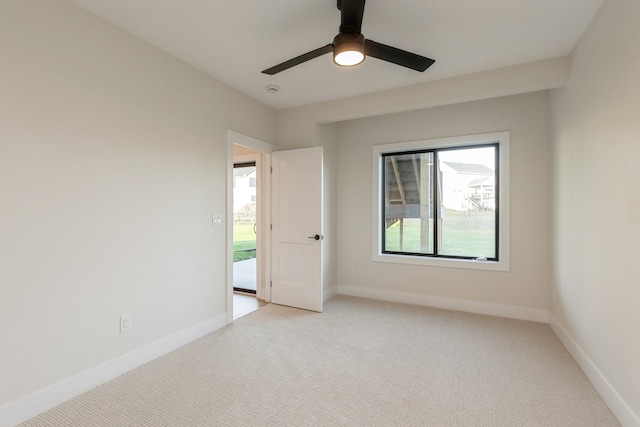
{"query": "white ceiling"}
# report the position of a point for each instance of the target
(234, 40)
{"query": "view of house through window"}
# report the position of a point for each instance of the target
(441, 202)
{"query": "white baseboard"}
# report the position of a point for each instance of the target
(618, 406)
(491, 309)
(49, 397)
(330, 293)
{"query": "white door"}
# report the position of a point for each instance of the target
(296, 269)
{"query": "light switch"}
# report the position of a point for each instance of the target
(216, 219)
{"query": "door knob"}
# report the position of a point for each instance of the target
(316, 237)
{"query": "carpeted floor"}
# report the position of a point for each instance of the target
(360, 363)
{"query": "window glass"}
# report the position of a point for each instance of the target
(408, 223)
(468, 218)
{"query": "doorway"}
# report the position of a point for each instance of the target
(249, 241)
(245, 228)
(245, 149)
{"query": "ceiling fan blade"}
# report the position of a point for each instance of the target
(299, 59)
(397, 56)
(351, 12)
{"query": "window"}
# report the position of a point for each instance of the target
(443, 202)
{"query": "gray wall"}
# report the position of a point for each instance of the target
(113, 159)
(527, 285)
(596, 298)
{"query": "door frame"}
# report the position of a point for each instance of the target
(264, 215)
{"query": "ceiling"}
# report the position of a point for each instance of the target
(235, 40)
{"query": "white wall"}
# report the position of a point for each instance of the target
(326, 137)
(527, 285)
(112, 161)
(596, 118)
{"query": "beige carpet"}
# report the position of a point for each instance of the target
(360, 363)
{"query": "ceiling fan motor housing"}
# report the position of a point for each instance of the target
(348, 41)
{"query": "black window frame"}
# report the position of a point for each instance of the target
(437, 201)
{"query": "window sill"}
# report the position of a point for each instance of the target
(502, 265)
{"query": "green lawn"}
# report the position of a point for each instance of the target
(243, 238)
(463, 234)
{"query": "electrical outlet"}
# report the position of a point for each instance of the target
(350, 269)
(126, 322)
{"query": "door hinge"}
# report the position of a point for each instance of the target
(271, 169)
(270, 284)
(270, 226)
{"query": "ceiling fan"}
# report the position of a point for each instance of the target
(350, 47)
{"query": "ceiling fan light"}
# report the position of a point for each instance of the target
(348, 58)
(348, 49)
